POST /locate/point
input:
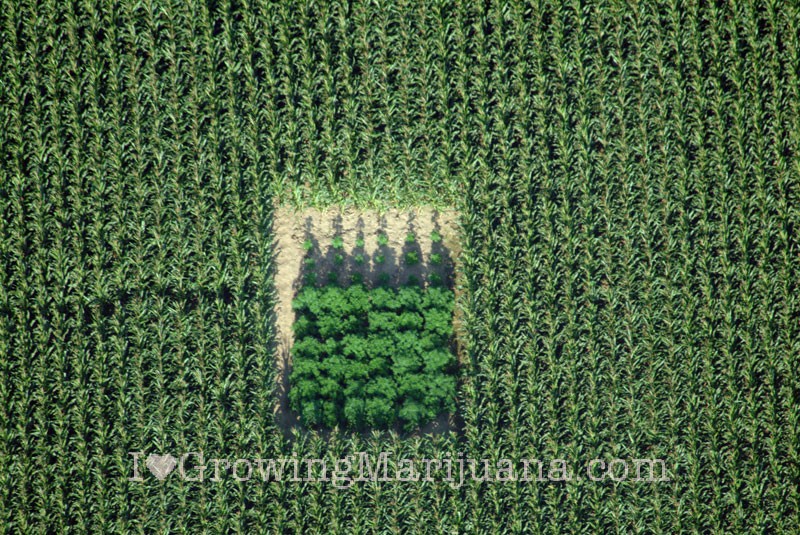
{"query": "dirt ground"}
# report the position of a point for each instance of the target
(318, 228)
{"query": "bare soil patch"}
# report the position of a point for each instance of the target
(318, 228)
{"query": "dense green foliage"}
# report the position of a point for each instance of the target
(629, 181)
(370, 358)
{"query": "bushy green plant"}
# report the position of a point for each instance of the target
(372, 358)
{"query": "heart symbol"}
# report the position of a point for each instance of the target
(161, 465)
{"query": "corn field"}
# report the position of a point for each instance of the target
(628, 177)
